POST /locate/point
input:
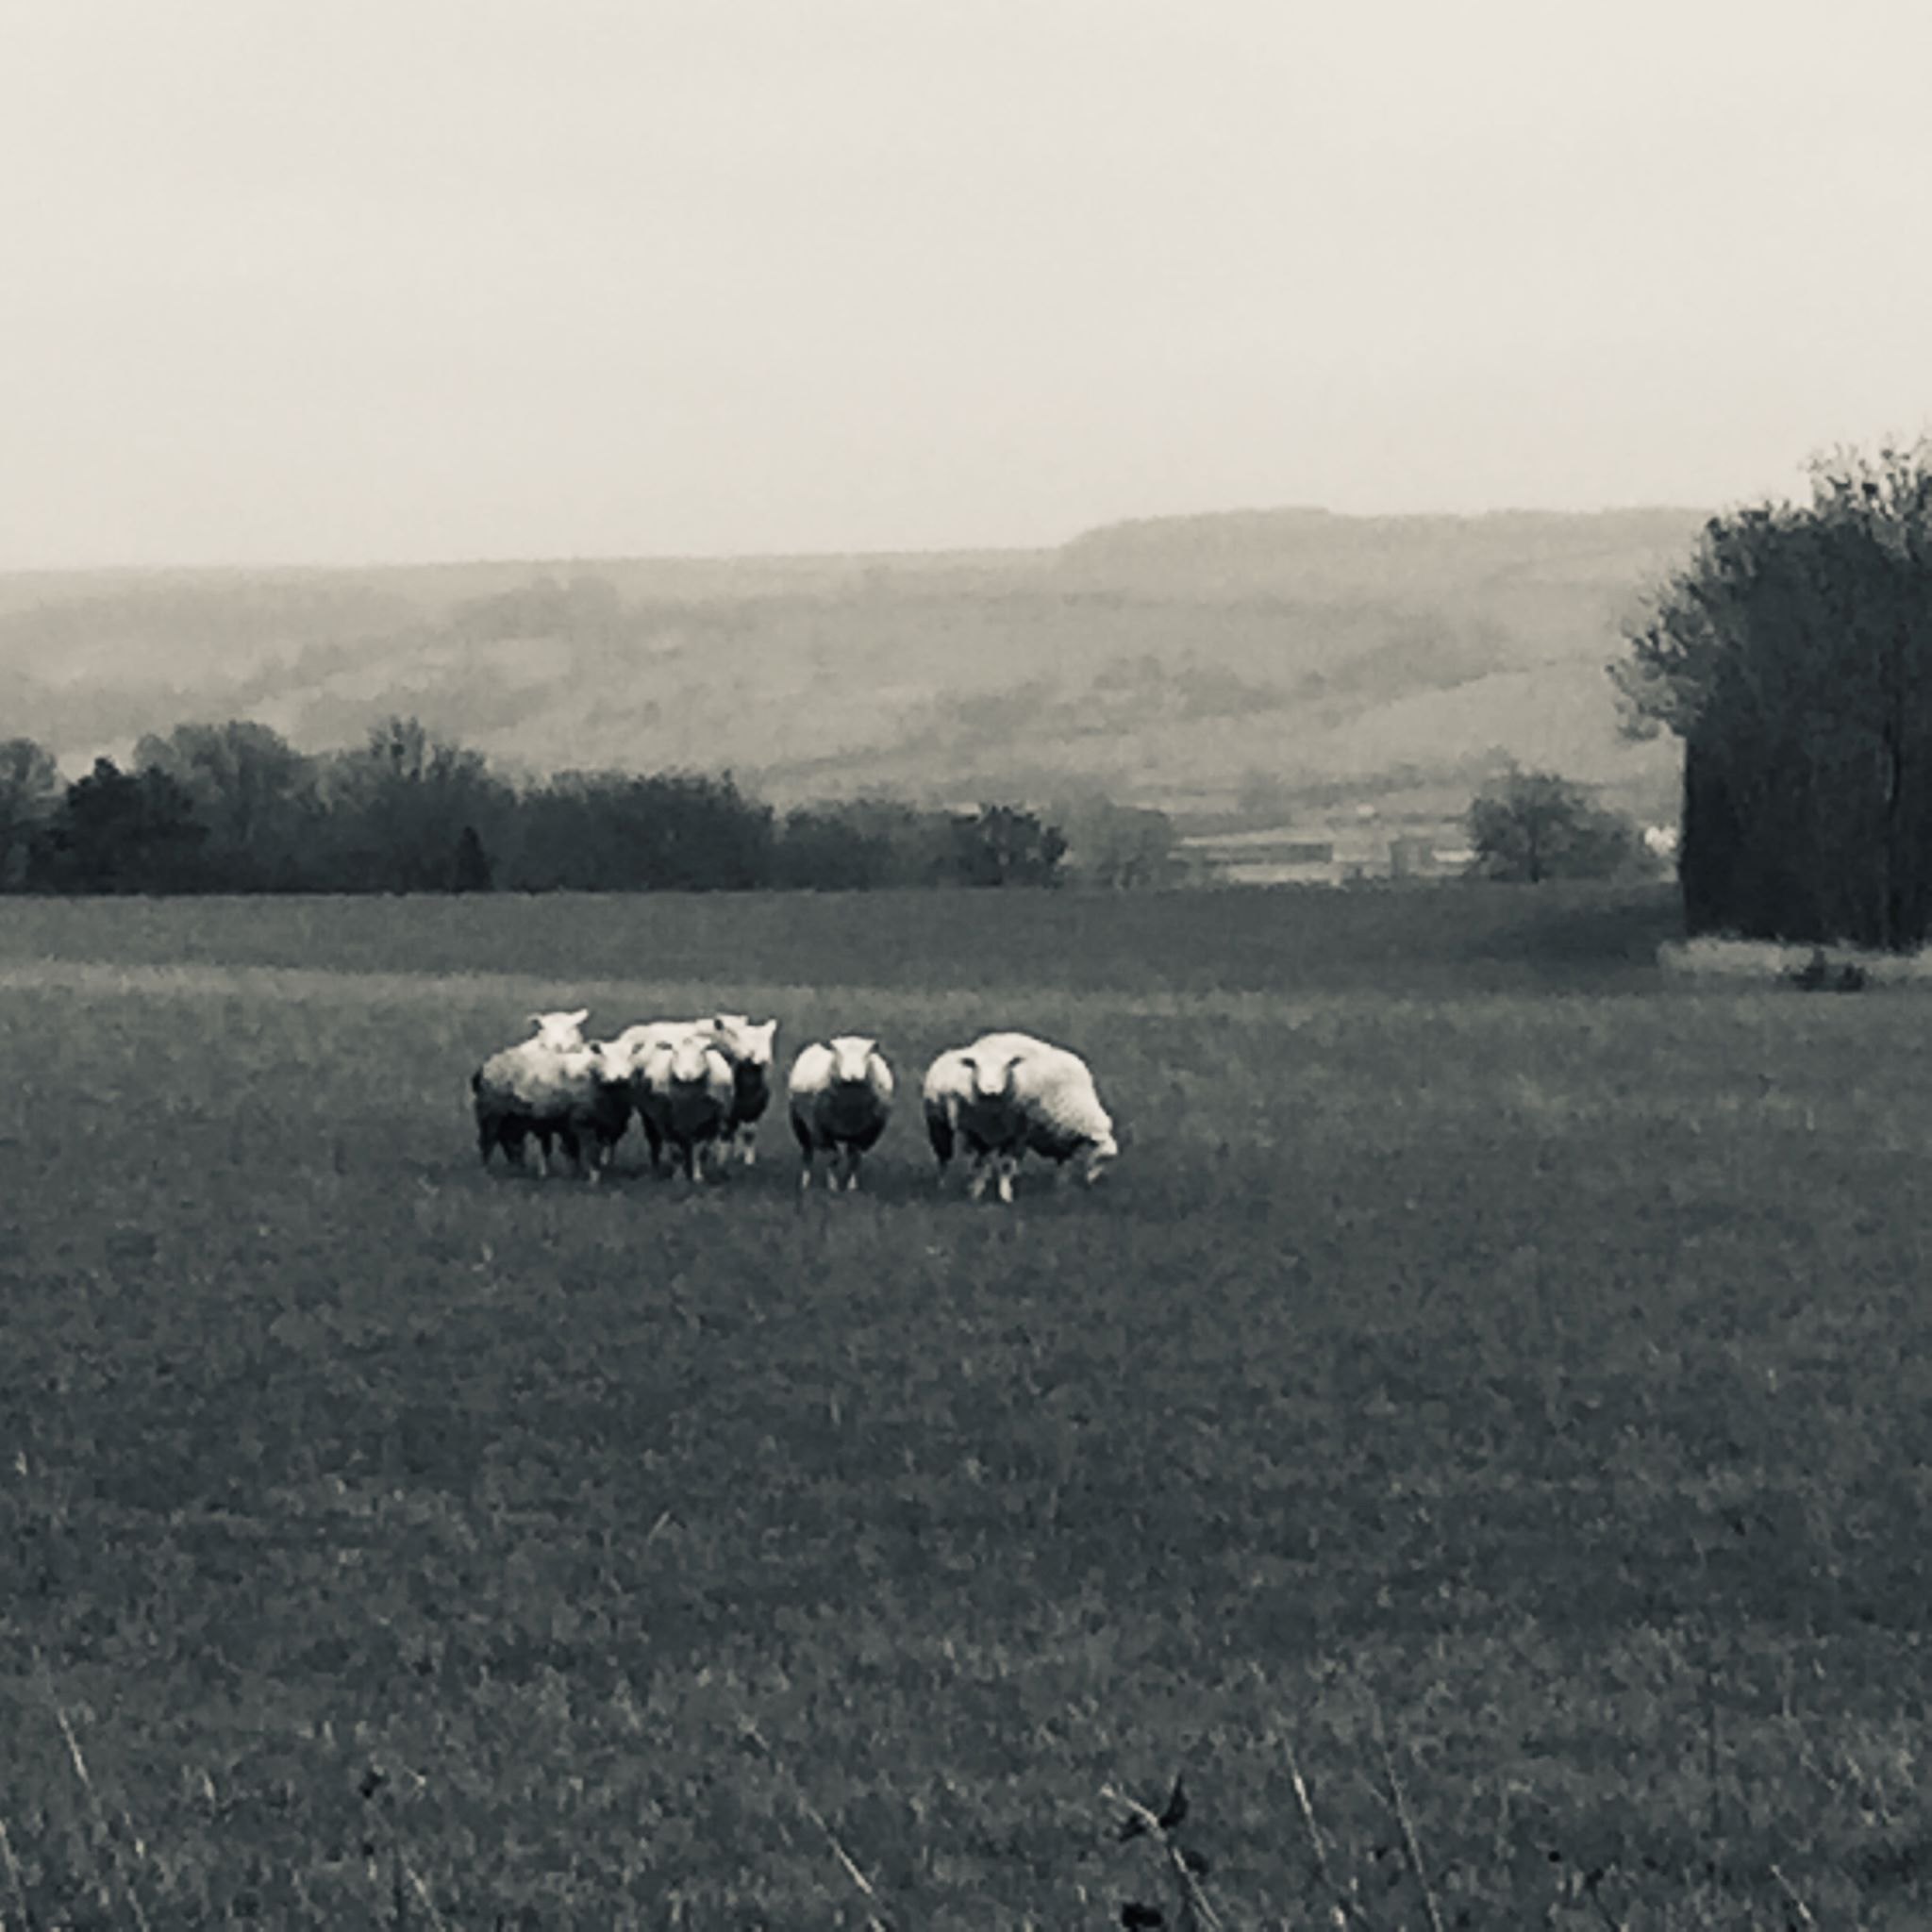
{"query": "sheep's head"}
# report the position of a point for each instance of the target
(611, 1061)
(561, 1032)
(749, 1045)
(1099, 1155)
(852, 1059)
(992, 1074)
(690, 1061)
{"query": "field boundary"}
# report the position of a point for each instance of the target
(1776, 961)
(634, 998)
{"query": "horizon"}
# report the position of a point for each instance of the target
(284, 567)
(365, 287)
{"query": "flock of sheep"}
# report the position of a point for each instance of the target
(699, 1088)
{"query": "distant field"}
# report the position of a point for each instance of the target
(1479, 1338)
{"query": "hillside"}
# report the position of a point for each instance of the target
(1228, 665)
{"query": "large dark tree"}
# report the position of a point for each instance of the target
(1793, 656)
(121, 832)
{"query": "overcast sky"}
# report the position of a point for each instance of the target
(373, 280)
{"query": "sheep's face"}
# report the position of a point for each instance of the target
(751, 1046)
(992, 1079)
(561, 1032)
(610, 1061)
(1100, 1155)
(690, 1061)
(851, 1061)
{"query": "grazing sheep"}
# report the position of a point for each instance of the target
(1007, 1093)
(546, 1086)
(1065, 1121)
(683, 1091)
(841, 1094)
(750, 1049)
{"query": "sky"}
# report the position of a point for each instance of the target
(365, 281)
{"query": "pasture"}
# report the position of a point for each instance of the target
(1487, 1364)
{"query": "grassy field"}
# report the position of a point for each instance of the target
(1488, 1367)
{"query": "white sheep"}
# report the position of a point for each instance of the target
(751, 1050)
(683, 1091)
(1008, 1093)
(841, 1096)
(550, 1086)
(626, 1057)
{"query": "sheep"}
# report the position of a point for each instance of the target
(683, 1091)
(967, 1102)
(601, 1115)
(1009, 1092)
(626, 1057)
(549, 1086)
(750, 1049)
(1065, 1119)
(841, 1096)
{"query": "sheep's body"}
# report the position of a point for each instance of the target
(749, 1049)
(683, 1091)
(1009, 1092)
(840, 1094)
(629, 1058)
(549, 1086)
(601, 1116)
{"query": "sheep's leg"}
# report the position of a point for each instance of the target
(1005, 1167)
(852, 1170)
(982, 1173)
(750, 1135)
(804, 1170)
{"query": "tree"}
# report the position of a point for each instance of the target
(398, 805)
(120, 832)
(471, 870)
(253, 791)
(29, 794)
(1006, 845)
(611, 832)
(1121, 846)
(1536, 825)
(1793, 656)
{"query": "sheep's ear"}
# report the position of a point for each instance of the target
(581, 1014)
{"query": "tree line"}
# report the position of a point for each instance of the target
(234, 807)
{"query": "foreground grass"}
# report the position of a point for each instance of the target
(1541, 1382)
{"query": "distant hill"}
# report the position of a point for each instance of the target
(1226, 667)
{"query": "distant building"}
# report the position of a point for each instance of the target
(1355, 850)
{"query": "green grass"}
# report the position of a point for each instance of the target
(1474, 1332)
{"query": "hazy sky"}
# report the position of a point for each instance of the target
(341, 281)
